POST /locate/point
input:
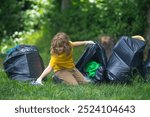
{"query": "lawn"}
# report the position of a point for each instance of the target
(15, 90)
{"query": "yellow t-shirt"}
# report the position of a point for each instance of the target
(62, 61)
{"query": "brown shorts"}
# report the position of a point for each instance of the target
(71, 76)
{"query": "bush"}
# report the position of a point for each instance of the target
(86, 20)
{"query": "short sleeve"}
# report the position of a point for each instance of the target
(52, 61)
(70, 42)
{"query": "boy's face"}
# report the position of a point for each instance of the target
(60, 49)
(105, 40)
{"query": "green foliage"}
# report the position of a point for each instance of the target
(22, 15)
(10, 19)
(82, 20)
(19, 18)
(86, 20)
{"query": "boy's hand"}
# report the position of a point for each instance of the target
(37, 82)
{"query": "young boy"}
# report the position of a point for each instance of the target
(62, 62)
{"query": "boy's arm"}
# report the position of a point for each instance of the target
(45, 73)
(79, 43)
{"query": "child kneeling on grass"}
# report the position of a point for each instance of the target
(61, 61)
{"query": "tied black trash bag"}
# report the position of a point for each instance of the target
(94, 52)
(147, 67)
(127, 55)
(23, 63)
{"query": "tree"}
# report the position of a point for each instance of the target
(10, 17)
(65, 4)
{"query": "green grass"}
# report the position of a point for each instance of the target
(15, 90)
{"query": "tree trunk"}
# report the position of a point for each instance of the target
(65, 4)
(148, 29)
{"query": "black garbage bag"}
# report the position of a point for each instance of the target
(93, 53)
(127, 55)
(147, 67)
(23, 62)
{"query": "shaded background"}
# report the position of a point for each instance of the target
(35, 22)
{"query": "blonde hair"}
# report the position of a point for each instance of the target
(106, 41)
(60, 40)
